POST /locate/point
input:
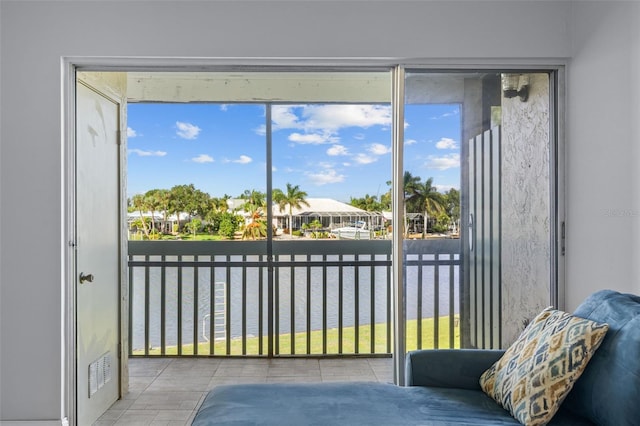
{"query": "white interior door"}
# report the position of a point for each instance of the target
(97, 254)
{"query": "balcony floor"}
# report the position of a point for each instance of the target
(168, 391)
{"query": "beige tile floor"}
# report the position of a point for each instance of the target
(168, 391)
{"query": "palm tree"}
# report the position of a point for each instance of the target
(431, 201)
(293, 198)
(254, 200)
(140, 203)
(368, 202)
(222, 203)
(254, 203)
(163, 197)
(154, 203)
(409, 185)
(257, 228)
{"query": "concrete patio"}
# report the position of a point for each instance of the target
(168, 391)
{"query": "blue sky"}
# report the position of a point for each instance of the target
(329, 150)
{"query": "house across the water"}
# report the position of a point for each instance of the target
(331, 213)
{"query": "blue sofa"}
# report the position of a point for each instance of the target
(443, 387)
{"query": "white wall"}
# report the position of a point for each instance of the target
(34, 35)
(603, 185)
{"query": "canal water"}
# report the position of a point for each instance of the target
(244, 307)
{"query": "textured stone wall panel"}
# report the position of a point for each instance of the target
(526, 251)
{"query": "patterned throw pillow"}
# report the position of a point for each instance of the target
(537, 372)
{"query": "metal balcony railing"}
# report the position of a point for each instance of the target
(320, 298)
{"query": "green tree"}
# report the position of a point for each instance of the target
(228, 225)
(218, 207)
(369, 203)
(452, 201)
(194, 226)
(385, 201)
(180, 200)
(200, 203)
(294, 197)
(187, 199)
(442, 222)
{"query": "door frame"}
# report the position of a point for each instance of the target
(71, 64)
(68, 241)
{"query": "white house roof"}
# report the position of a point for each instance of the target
(316, 206)
(157, 215)
(321, 205)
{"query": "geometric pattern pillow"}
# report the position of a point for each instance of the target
(537, 372)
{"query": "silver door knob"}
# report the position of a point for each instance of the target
(86, 278)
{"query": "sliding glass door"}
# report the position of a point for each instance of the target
(353, 212)
(479, 229)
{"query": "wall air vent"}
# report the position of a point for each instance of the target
(99, 373)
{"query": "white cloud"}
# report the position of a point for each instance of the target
(131, 133)
(243, 160)
(445, 188)
(446, 143)
(143, 153)
(359, 136)
(202, 158)
(443, 163)
(325, 177)
(410, 142)
(334, 117)
(337, 150)
(312, 138)
(379, 149)
(330, 118)
(445, 115)
(261, 130)
(187, 130)
(283, 117)
(364, 159)
(224, 107)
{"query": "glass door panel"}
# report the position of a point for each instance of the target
(331, 177)
(197, 180)
(478, 179)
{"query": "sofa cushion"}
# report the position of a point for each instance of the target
(608, 392)
(354, 404)
(537, 372)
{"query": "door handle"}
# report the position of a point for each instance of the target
(471, 224)
(86, 278)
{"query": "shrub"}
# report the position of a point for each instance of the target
(227, 228)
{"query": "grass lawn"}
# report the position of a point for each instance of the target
(283, 343)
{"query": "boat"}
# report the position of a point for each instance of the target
(359, 231)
